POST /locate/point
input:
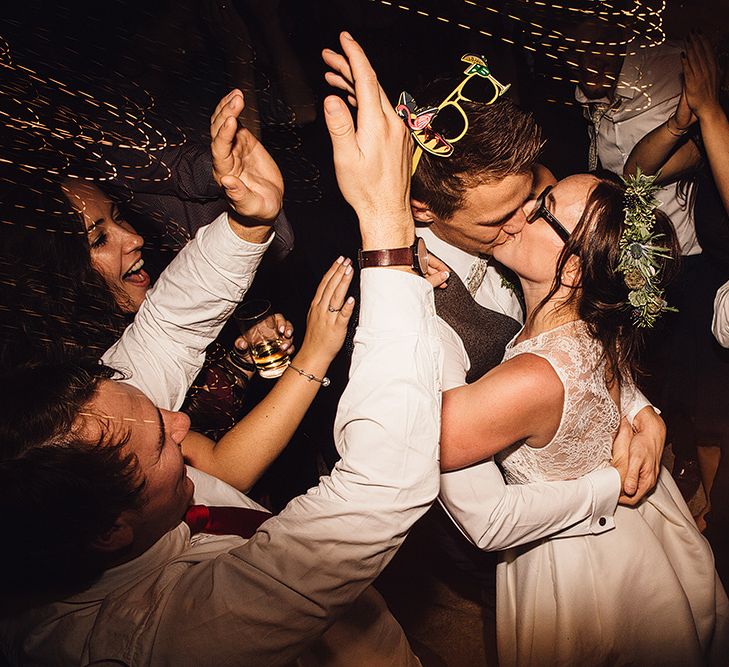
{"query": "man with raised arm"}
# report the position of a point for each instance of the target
(103, 570)
(465, 205)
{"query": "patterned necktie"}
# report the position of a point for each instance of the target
(476, 275)
(242, 521)
(597, 111)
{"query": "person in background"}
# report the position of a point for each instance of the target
(75, 286)
(692, 147)
(628, 87)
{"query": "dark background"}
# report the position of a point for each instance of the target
(172, 50)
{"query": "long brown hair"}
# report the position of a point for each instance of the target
(601, 297)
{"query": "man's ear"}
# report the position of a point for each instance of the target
(118, 537)
(421, 211)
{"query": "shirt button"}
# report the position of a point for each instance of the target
(602, 521)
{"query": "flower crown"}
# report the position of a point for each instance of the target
(640, 251)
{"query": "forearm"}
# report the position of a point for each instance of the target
(244, 453)
(720, 324)
(663, 149)
(183, 171)
(495, 515)
(715, 133)
(307, 564)
(162, 351)
(651, 152)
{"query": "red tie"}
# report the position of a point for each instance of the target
(242, 521)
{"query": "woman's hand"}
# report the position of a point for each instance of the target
(438, 272)
(329, 313)
(701, 75)
(683, 117)
(283, 327)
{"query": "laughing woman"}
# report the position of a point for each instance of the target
(592, 263)
(76, 289)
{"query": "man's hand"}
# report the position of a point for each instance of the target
(637, 454)
(242, 166)
(373, 162)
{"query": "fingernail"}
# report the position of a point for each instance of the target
(347, 261)
(446, 275)
(285, 346)
(240, 345)
(350, 299)
(281, 329)
(289, 332)
(346, 35)
(348, 270)
(340, 259)
(331, 105)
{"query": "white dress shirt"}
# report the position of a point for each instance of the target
(491, 513)
(163, 350)
(221, 600)
(647, 93)
(720, 324)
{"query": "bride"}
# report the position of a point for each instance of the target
(592, 261)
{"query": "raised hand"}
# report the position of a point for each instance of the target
(701, 75)
(329, 313)
(683, 117)
(372, 162)
(242, 166)
(283, 327)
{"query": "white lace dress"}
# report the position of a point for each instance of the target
(644, 593)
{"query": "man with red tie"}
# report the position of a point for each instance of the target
(102, 569)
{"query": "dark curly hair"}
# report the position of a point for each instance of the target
(602, 297)
(52, 301)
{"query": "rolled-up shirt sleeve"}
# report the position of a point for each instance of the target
(163, 350)
(720, 324)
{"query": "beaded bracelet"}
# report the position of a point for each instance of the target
(324, 382)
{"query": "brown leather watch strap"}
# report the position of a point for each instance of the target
(389, 257)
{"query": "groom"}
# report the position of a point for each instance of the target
(464, 206)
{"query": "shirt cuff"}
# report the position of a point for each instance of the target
(606, 490)
(394, 301)
(226, 249)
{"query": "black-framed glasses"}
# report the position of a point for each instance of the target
(540, 210)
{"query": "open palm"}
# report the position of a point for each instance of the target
(242, 166)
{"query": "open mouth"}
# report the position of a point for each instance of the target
(136, 274)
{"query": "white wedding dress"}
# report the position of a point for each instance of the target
(644, 593)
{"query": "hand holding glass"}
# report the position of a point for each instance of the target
(257, 325)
